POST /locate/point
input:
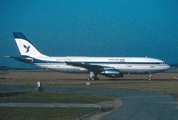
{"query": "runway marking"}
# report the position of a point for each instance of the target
(174, 102)
(142, 97)
(49, 105)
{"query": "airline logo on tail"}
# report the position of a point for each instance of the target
(27, 48)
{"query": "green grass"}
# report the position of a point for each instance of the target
(163, 83)
(159, 86)
(44, 113)
(2, 72)
(50, 97)
(30, 113)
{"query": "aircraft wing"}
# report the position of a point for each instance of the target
(102, 70)
(89, 66)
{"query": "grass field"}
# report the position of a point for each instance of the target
(50, 97)
(46, 113)
(165, 83)
(161, 82)
(30, 113)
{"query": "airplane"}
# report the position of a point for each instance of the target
(107, 66)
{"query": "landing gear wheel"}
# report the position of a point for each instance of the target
(96, 78)
(93, 78)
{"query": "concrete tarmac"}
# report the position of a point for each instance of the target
(49, 105)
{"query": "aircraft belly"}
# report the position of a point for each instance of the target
(123, 68)
(139, 69)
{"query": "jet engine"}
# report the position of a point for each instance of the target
(111, 73)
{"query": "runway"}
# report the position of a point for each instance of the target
(135, 105)
(49, 105)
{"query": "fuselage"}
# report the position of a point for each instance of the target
(136, 65)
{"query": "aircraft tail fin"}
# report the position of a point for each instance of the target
(25, 47)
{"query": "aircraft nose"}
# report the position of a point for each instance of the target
(168, 66)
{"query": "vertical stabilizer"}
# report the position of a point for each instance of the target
(26, 48)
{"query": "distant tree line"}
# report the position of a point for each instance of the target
(174, 65)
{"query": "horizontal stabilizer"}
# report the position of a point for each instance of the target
(26, 60)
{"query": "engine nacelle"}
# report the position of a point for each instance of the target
(111, 73)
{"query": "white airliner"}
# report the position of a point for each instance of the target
(107, 66)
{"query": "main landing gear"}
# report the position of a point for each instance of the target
(149, 76)
(93, 76)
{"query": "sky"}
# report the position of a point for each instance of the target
(104, 28)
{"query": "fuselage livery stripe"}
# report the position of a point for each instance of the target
(48, 61)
